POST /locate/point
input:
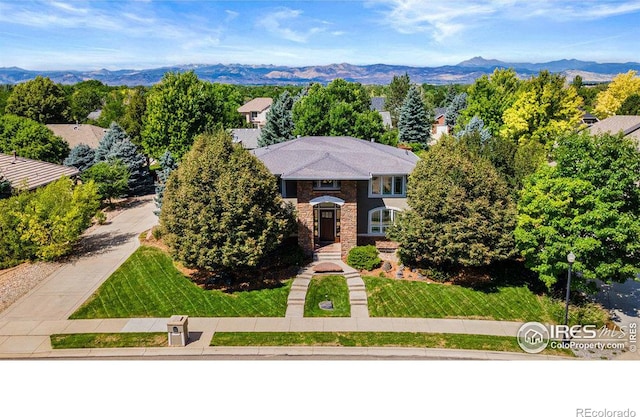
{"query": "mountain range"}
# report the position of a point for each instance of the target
(464, 73)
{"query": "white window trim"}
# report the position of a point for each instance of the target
(394, 212)
(333, 188)
(393, 185)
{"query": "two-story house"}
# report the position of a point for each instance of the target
(345, 190)
(255, 111)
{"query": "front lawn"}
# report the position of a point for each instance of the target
(370, 339)
(149, 285)
(397, 298)
(327, 287)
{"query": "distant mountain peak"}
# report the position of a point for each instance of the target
(478, 61)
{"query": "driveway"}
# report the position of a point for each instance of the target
(104, 249)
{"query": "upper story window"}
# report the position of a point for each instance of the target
(387, 186)
(326, 185)
(254, 114)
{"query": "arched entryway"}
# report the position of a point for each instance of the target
(326, 219)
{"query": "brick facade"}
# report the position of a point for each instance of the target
(348, 215)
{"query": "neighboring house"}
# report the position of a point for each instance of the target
(589, 119)
(345, 189)
(28, 174)
(94, 115)
(255, 111)
(439, 127)
(628, 125)
(75, 134)
(248, 138)
(377, 104)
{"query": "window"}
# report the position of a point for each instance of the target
(254, 115)
(380, 219)
(326, 185)
(392, 186)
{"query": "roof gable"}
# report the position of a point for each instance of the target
(334, 157)
(257, 104)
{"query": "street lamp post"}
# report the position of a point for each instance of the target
(571, 258)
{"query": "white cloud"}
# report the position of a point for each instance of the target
(443, 19)
(274, 23)
(231, 15)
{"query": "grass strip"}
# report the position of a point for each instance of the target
(375, 339)
(108, 340)
(327, 287)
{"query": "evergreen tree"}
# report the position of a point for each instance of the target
(460, 212)
(475, 125)
(140, 180)
(111, 137)
(414, 126)
(81, 157)
(457, 105)
(116, 145)
(221, 209)
(167, 165)
(279, 126)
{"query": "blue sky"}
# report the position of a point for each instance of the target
(135, 34)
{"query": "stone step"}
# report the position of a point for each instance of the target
(327, 256)
(359, 311)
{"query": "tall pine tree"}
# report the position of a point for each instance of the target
(113, 135)
(279, 126)
(414, 126)
(167, 165)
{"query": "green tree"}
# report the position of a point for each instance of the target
(587, 203)
(414, 126)
(631, 106)
(396, 93)
(111, 179)
(207, 223)
(81, 156)
(180, 107)
(279, 125)
(30, 139)
(5, 92)
(489, 97)
(86, 96)
(56, 216)
(622, 86)
(39, 99)
(543, 111)
(113, 108)
(113, 135)
(131, 120)
(460, 212)
(339, 109)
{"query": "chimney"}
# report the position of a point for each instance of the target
(372, 140)
(15, 157)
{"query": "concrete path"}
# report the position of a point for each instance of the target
(107, 246)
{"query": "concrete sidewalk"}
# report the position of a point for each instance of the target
(30, 338)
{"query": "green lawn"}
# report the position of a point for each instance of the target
(327, 287)
(365, 339)
(148, 285)
(395, 298)
(108, 340)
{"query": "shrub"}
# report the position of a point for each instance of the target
(364, 257)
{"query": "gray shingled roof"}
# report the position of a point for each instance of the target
(247, 137)
(257, 104)
(21, 172)
(334, 158)
(628, 125)
(75, 134)
(386, 118)
(377, 103)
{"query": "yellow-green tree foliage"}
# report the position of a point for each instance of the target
(543, 111)
(622, 86)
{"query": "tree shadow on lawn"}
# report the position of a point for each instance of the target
(243, 280)
(489, 279)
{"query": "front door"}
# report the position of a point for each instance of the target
(327, 225)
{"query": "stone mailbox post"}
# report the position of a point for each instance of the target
(177, 329)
